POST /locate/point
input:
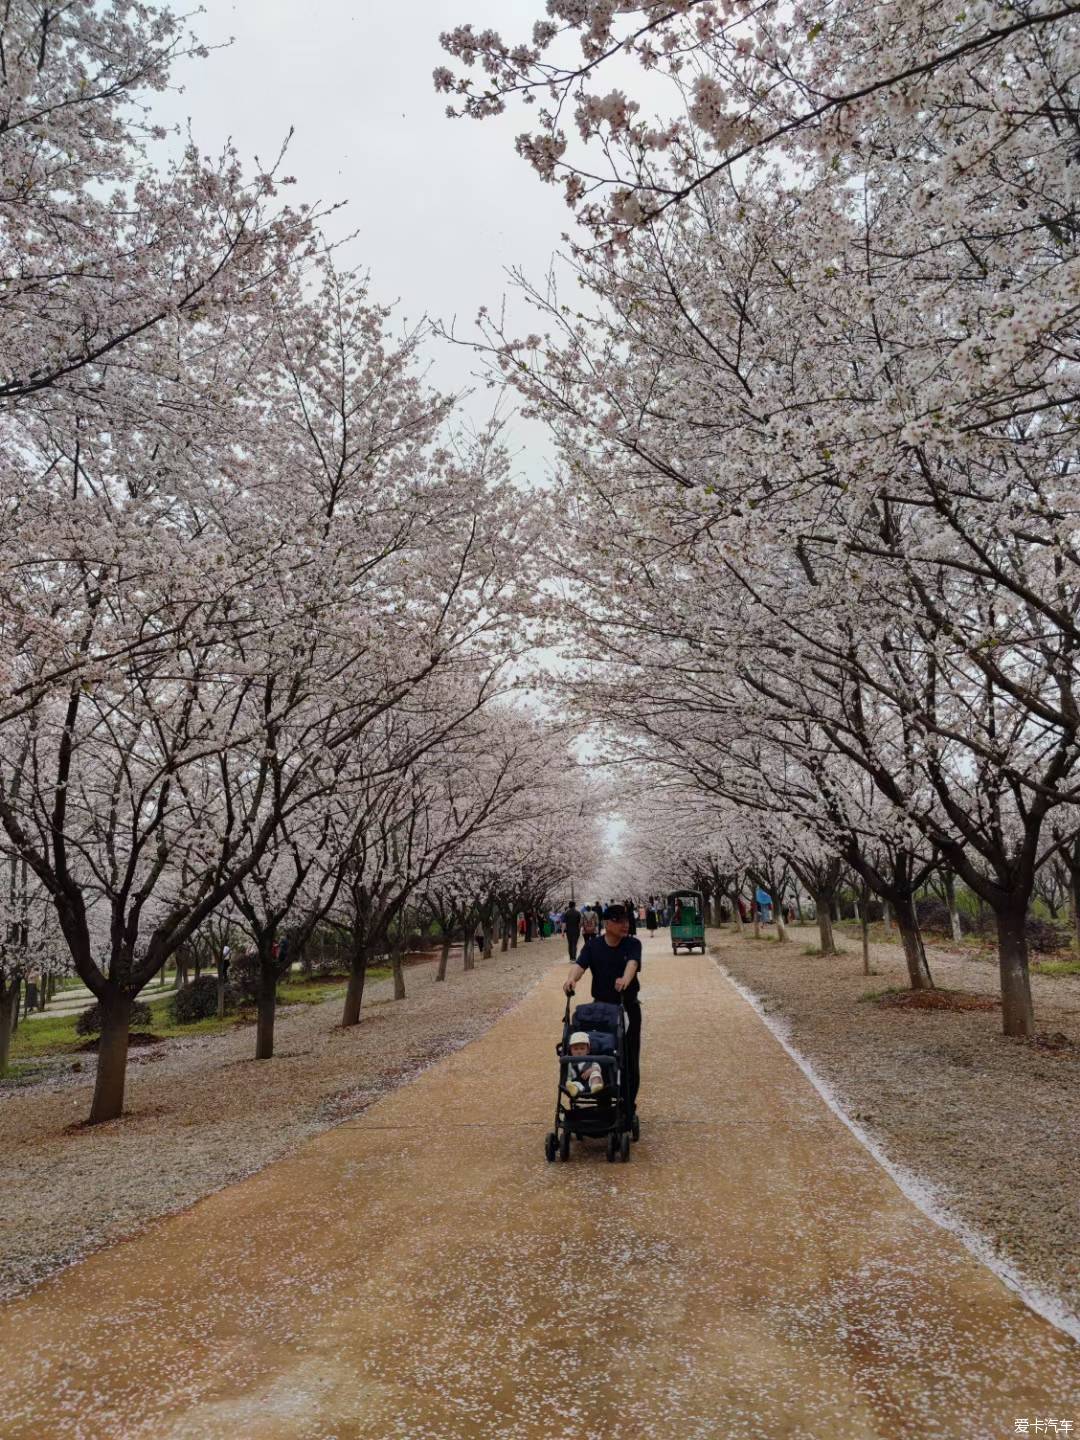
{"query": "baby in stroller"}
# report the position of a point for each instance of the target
(583, 1074)
(591, 1100)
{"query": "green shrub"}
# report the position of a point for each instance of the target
(88, 1021)
(1044, 935)
(198, 1001)
(244, 977)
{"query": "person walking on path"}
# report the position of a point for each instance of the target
(631, 915)
(589, 928)
(650, 918)
(572, 921)
(614, 961)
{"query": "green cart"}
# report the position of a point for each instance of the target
(687, 921)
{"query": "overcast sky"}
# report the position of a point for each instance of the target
(441, 208)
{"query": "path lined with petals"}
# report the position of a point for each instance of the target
(422, 1272)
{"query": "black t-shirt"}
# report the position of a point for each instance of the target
(607, 962)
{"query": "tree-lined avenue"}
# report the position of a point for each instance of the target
(422, 1272)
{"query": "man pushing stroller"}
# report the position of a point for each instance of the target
(614, 962)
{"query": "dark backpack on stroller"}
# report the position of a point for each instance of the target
(597, 1015)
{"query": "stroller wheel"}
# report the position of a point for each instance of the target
(549, 1146)
(612, 1146)
(635, 1127)
(624, 1146)
(564, 1145)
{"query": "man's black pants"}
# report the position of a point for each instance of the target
(633, 1051)
(572, 941)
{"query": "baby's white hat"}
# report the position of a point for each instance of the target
(580, 1038)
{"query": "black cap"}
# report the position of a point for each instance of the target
(616, 912)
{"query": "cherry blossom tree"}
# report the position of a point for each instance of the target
(741, 80)
(822, 382)
(218, 583)
(101, 244)
(795, 450)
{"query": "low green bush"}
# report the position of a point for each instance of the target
(89, 1021)
(1044, 936)
(198, 1000)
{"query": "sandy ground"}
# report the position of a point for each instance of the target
(202, 1113)
(421, 1272)
(990, 1126)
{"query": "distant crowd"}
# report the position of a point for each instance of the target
(586, 921)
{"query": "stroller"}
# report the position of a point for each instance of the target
(604, 1114)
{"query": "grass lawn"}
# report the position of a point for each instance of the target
(1056, 967)
(55, 1034)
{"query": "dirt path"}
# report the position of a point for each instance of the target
(421, 1273)
(201, 1113)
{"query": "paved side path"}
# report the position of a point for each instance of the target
(422, 1273)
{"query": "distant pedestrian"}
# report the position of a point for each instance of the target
(589, 927)
(650, 919)
(572, 921)
(631, 915)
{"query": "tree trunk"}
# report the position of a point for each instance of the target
(1017, 1013)
(822, 903)
(736, 915)
(444, 956)
(834, 908)
(488, 937)
(398, 968)
(354, 993)
(950, 900)
(198, 966)
(1074, 906)
(886, 916)
(919, 975)
(757, 921)
(108, 1101)
(266, 1011)
(505, 945)
(864, 925)
(781, 926)
(7, 1018)
(16, 995)
(221, 989)
(513, 933)
(825, 925)
(468, 955)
